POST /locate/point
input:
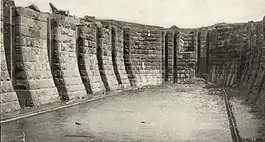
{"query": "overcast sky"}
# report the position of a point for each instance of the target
(182, 13)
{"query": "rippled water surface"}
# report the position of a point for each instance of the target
(167, 114)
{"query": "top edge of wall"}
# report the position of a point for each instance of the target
(24, 11)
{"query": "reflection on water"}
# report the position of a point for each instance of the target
(163, 115)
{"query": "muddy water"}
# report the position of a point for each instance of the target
(183, 113)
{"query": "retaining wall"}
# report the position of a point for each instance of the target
(236, 55)
(186, 58)
(145, 55)
(180, 56)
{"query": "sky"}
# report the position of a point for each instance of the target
(182, 13)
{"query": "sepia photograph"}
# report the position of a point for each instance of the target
(132, 71)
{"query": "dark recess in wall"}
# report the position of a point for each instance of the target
(126, 56)
(100, 59)
(166, 57)
(82, 66)
(175, 66)
(198, 68)
(114, 56)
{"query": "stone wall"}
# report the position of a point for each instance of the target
(104, 56)
(87, 59)
(33, 80)
(64, 59)
(8, 98)
(186, 56)
(145, 54)
(253, 74)
(47, 56)
(180, 55)
(236, 55)
(226, 43)
(117, 56)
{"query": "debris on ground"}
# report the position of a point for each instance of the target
(84, 136)
(77, 123)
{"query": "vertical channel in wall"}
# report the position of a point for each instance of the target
(175, 66)
(127, 56)
(198, 69)
(166, 58)
(54, 53)
(163, 57)
(87, 56)
(9, 38)
(114, 55)
(170, 43)
(100, 59)
(80, 53)
(9, 100)
(207, 67)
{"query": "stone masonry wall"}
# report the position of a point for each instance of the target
(104, 52)
(33, 74)
(87, 56)
(237, 59)
(186, 56)
(8, 97)
(48, 56)
(64, 59)
(146, 56)
(253, 75)
(226, 44)
(180, 56)
(117, 56)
